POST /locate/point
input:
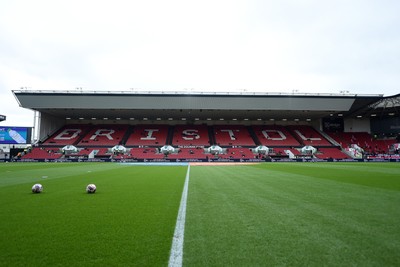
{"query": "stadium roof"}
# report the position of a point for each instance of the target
(150, 105)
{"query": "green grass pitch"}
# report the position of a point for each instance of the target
(129, 220)
(272, 214)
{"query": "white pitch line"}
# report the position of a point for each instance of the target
(176, 256)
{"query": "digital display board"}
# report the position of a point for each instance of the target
(15, 135)
(333, 124)
(386, 125)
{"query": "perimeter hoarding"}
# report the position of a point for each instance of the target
(15, 135)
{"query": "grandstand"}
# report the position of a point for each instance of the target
(134, 126)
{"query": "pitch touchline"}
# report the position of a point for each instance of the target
(175, 258)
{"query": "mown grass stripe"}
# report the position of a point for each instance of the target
(291, 215)
(176, 255)
(128, 222)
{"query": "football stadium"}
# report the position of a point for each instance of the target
(214, 127)
(145, 178)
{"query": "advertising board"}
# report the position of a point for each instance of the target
(15, 135)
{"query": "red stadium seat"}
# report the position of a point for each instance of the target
(309, 136)
(275, 135)
(334, 153)
(145, 135)
(67, 135)
(104, 135)
(233, 135)
(190, 135)
(43, 153)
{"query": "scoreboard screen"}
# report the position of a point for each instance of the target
(15, 135)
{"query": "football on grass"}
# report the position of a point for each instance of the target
(91, 188)
(37, 188)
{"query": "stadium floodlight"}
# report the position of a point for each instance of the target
(234, 119)
(208, 119)
(105, 119)
(271, 119)
(117, 119)
(170, 119)
(340, 115)
(93, 118)
(67, 118)
(373, 115)
(81, 118)
(132, 119)
(284, 119)
(196, 119)
(158, 119)
(246, 119)
(359, 116)
(259, 119)
(221, 119)
(296, 119)
(183, 119)
(391, 113)
(308, 119)
(145, 119)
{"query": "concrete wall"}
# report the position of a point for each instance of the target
(48, 126)
(357, 125)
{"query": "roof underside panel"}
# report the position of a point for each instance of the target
(191, 106)
(162, 102)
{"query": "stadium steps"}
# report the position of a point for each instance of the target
(327, 137)
(170, 136)
(49, 136)
(82, 136)
(253, 135)
(211, 135)
(126, 135)
(295, 135)
(348, 153)
(309, 135)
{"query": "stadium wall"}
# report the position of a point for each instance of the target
(48, 125)
(357, 125)
(387, 125)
